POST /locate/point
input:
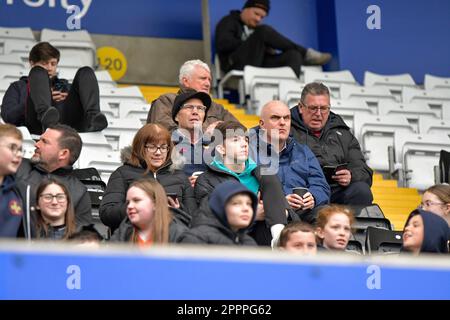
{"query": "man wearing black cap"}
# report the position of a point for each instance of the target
(188, 112)
(241, 40)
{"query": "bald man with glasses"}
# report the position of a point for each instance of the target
(336, 148)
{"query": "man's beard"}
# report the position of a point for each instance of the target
(36, 159)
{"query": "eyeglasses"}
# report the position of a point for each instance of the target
(191, 107)
(152, 148)
(14, 148)
(48, 197)
(430, 204)
(313, 109)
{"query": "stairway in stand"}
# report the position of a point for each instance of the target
(395, 202)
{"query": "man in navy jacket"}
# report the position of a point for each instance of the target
(294, 163)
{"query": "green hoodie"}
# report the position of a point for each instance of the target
(245, 177)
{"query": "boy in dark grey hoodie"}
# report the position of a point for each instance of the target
(232, 210)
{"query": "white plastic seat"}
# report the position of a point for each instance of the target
(412, 111)
(290, 91)
(223, 79)
(105, 162)
(140, 111)
(118, 126)
(262, 85)
(375, 134)
(27, 143)
(72, 43)
(416, 155)
(394, 83)
(332, 79)
(348, 108)
(16, 46)
(434, 82)
(435, 126)
(370, 95)
(435, 99)
(16, 33)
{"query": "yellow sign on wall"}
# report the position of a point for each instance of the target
(113, 60)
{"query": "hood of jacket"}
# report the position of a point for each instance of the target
(436, 232)
(223, 193)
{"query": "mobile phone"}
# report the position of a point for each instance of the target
(300, 191)
(340, 167)
(172, 195)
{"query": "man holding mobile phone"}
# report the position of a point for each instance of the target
(272, 146)
(333, 144)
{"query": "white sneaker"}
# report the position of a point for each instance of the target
(314, 57)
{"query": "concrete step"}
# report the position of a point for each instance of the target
(400, 191)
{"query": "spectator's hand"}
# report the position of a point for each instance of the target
(211, 127)
(59, 96)
(173, 203)
(343, 177)
(260, 215)
(295, 201)
(308, 201)
(192, 180)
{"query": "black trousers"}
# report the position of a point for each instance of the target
(77, 111)
(254, 51)
(357, 193)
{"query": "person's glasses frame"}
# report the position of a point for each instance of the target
(314, 109)
(48, 197)
(14, 148)
(164, 148)
(191, 107)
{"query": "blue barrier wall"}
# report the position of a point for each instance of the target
(155, 18)
(414, 37)
(214, 274)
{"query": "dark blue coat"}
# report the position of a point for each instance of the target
(298, 166)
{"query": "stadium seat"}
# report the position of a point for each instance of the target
(77, 43)
(375, 134)
(104, 162)
(16, 46)
(356, 246)
(28, 142)
(140, 111)
(415, 157)
(348, 108)
(433, 82)
(394, 83)
(369, 95)
(435, 99)
(332, 79)
(290, 91)
(16, 33)
(444, 167)
(233, 75)
(372, 211)
(382, 241)
(117, 127)
(262, 85)
(411, 111)
(434, 126)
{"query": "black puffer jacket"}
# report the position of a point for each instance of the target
(212, 225)
(335, 145)
(113, 207)
(32, 175)
(125, 231)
